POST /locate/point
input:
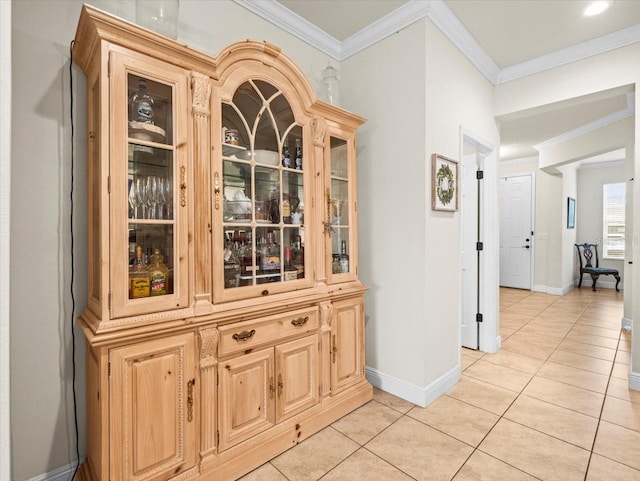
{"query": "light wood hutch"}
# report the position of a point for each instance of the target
(253, 338)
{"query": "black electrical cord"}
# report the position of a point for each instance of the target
(73, 299)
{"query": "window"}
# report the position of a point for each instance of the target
(613, 221)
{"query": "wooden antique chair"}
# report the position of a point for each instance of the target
(587, 251)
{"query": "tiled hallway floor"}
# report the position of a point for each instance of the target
(552, 404)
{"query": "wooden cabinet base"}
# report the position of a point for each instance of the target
(244, 457)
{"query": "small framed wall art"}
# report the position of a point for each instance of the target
(571, 213)
(444, 183)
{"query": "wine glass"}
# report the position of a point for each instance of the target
(168, 198)
(134, 201)
(141, 188)
(152, 196)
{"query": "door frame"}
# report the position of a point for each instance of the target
(533, 223)
(489, 338)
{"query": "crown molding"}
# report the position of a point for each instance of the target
(401, 17)
(600, 165)
(446, 21)
(291, 22)
(605, 121)
(580, 51)
(456, 32)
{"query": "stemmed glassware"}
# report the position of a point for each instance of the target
(141, 189)
(134, 201)
(168, 199)
(150, 198)
(153, 196)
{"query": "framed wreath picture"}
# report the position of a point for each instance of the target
(444, 183)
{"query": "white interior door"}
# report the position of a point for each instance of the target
(515, 232)
(469, 204)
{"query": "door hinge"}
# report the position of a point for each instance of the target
(109, 66)
(109, 301)
(217, 378)
(479, 246)
(109, 369)
(218, 437)
(479, 174)
(355, 206)
(478, 317)
(109, 184)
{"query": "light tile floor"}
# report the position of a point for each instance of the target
(553, 404)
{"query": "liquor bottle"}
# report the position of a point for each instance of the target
(344, 257)
(158, 275)
(139, 282)
(285, 210)
(142, 104)
(246, 254)
(297, 256)
(132, 246)
(271, 255)
(290, 272)
(231, 264)
(335, 264)
(286, 156)
(298, 155)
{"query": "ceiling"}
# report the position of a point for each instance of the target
(504, 39)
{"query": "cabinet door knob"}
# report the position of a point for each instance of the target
(244, 335)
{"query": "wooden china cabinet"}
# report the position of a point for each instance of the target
(225, 318)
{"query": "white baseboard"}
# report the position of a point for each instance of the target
(627, 324)
(555, 291)
(61, 474)
(422, 396)
(634, 381)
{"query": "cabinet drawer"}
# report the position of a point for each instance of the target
(245, 335)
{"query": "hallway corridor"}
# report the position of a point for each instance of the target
(552, 404)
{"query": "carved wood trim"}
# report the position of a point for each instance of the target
(208, 344)
(201, 89)
(318, 127)
(326, 311)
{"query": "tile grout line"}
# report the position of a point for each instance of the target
(525, 386)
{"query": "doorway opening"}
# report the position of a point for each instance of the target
(480, 244)
(516, 231)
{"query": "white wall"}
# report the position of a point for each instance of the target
(392, 165)
(548, 233)
(457, 96)
(5, 186)
(589, 213)
(620, 67)
(42, 435)
(421, 100)
(569, 236)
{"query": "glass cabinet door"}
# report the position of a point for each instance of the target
(340, 209)
(262, 193)
(149, 183)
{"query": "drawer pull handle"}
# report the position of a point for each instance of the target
(280, 385)
(244, 335)
(301, 321)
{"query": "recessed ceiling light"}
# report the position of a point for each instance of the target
(595, 8)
